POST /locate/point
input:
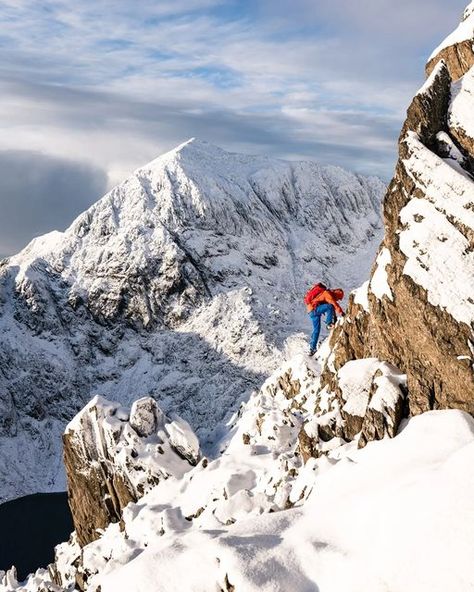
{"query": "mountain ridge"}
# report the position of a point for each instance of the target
(340, 471)
(167, 286)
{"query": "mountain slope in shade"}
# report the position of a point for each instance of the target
(184, 282)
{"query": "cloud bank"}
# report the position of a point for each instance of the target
(40, 193)
(114, 83)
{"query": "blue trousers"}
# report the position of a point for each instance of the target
(315, 315)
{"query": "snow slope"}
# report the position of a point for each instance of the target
(386, 514)
(184, 282)
(363, 520)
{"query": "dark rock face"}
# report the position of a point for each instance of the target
(112, 458)
(419, 304)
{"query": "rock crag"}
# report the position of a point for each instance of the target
(113, 457)
(417, 311)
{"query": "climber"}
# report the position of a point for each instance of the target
(320, 301)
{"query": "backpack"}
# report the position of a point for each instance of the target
(316, 290)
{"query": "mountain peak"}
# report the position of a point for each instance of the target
(195, 143)
(194, 148)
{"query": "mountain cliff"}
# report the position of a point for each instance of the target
(113, 456)
(416, 312)
(184, 283)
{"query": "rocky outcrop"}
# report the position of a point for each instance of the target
(364, 401)
(417, 310)
(113, 457)
(456, 50)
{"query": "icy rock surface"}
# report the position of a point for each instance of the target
(113, 457)
(184, 282)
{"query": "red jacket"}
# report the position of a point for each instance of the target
(330, 297)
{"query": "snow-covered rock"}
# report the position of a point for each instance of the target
(419, 310)
(364, 401)
(184, 282)
(113, 457)
(457, 49)
(259, 471)
(378, 518)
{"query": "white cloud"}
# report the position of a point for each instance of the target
(116, 82)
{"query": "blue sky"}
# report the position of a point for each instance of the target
(103, 86)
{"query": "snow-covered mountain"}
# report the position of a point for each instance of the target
(184, 282)
(302, 498)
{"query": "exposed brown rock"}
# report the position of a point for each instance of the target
(96, 493)
(382, 418)
(459, 56)
(307, 445)
(426, 342)
(287, 384)
(113, 457)
(459, 59)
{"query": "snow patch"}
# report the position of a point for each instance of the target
(361, 296)
(355, 380)
(389, 381)
(379, 285)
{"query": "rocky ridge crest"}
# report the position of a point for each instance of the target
(416, 313)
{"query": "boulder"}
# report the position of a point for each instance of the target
(113, 457)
